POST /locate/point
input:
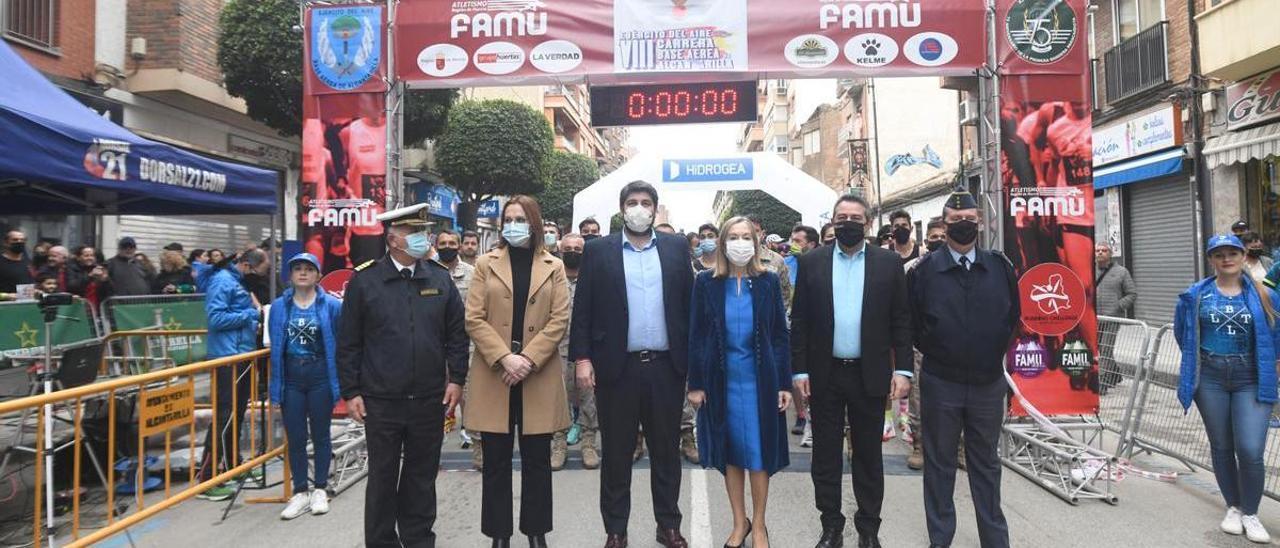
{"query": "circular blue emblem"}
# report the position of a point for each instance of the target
(930, 49)
(346, 45)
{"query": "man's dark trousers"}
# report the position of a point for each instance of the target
(648, 394)
(947, 409)
(843, 395)
(400, 503)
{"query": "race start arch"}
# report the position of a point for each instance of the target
(750, 171)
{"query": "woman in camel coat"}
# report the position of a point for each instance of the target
(516, 377)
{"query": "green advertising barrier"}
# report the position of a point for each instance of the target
(187, 313)
(22, 328)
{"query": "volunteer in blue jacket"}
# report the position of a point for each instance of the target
(233, 319)
(1226, 327)
(304, 378)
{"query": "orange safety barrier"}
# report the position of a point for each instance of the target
(165, 402)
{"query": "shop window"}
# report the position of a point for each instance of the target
(1262, 198)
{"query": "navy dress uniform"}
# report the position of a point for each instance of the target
(965, 308)
(401, 339)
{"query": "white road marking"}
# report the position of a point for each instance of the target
(700, 527)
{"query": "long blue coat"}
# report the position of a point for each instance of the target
(707, 367)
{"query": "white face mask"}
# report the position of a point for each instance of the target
(638, 218)
(739, 252)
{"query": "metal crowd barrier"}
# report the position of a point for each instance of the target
(165, 406)
(1123, 345)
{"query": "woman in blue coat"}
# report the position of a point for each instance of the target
(1227, 330)
(304, 379)
(740, 374)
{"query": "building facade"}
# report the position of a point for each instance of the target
(1146, 190)
(151, 66)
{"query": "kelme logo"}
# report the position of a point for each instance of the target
(1041, 31)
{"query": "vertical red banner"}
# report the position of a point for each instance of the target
(1046, 149)
(344, 135)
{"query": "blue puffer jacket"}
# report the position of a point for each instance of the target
(328, 309)
(1186, 329)
(233, 321)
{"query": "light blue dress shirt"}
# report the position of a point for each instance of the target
(972, 255)
(646, 314)
(848, 274)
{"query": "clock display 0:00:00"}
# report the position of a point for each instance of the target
(665, 104)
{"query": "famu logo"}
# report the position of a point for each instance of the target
(1041, 31)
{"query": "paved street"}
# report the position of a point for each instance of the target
(1149, 514)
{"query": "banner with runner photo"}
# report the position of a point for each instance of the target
(344, 138)
(1046, 163)
(441, 43)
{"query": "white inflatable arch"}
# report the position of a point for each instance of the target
(749, 171)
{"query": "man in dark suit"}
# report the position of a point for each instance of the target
(851, 348)
(629, 339)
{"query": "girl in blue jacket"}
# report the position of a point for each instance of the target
(1226, 328)
(304, 379)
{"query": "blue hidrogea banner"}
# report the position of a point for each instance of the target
(488, 209)
(707, 169)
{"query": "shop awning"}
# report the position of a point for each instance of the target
(59, 157)
(1242, 146)
(1139, 169)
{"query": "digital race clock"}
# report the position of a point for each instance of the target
(673, 104)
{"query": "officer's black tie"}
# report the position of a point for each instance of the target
(964, 261)
(405, 273)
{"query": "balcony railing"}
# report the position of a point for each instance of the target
(1137, 64)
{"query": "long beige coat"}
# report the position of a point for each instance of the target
(546, 320)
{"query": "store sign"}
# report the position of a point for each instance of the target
(263, 152)
(1138, 135)
(488, 209)
(1254, 101)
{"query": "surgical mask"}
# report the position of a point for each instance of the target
(638, 218)
(902, 235)
(17, 247)
(962, 232)
(850, 233)
(549, 239)
(417, 245)
(707, 246)
(697, 252)
(796, 249)
(740, 252)
(572, 259)
(934, 245)
(589, 237)
(516, 234)
(447, 255)
(1253, 253)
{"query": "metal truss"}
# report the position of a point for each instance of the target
(1068, 466)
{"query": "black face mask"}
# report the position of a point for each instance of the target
(590, 237)
(572, 259)
(902, 235)
(962, 232)
(1254, 253)
(17, 247)
(934, 245)
(447, 255)
(850, 234)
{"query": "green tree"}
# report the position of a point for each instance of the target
(493, 147)
(775, 217)
(261, 60)
(567, 174)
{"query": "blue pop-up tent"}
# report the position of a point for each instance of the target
(58, 156)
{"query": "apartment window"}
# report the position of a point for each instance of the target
(780, 114)
(812, 145)
(32, 22)
(1134, 16)
(780, 144)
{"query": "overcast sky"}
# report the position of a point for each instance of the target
(690, 208)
